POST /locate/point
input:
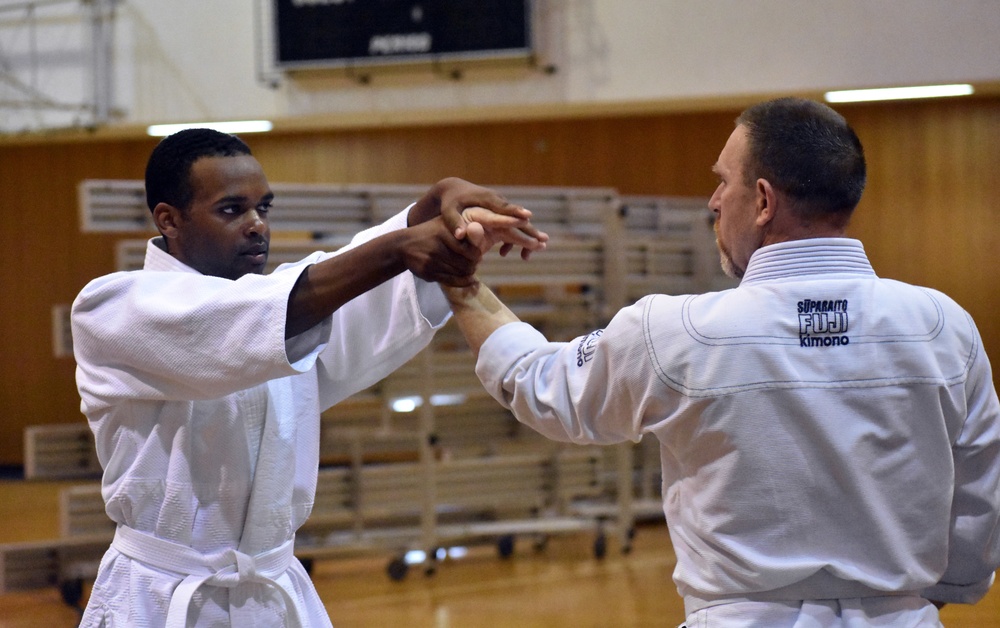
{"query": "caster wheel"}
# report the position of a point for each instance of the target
(71, 592)
(505, 546)
(397, 569)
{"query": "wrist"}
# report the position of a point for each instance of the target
(426, 208)
(461, 296)
(390, 251)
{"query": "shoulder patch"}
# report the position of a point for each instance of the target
(585, 350)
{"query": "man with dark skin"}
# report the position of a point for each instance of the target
(203, 379)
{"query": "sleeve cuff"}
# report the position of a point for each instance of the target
(302, 350)
(501, 351)
(432, 303)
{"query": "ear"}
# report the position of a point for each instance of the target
(767, 200)
(166, 218)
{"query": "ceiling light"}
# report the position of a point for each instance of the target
(406, 404)
(898, 93)
(238, 126)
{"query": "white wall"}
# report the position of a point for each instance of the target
(194, 60)
(681, 49)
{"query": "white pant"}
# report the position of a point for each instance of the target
(872, 612)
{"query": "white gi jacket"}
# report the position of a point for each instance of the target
(824, 433)
(207, 427)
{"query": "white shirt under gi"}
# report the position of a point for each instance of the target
(207, 427)
(826, 436)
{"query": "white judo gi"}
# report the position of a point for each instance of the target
(207, 427)
(830, 440)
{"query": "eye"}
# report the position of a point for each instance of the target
(230, 209)
(263, 208)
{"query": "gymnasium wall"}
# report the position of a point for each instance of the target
(192, 60)
(189, 60)
(929, 215)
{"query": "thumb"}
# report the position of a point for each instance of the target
(476, 235)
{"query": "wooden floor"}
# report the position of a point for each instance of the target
(561, 586)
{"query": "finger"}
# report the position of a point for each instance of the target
(492, 200)
(448, 242)
(505, 248)
(502, 207)
(534, 232)
(492, 220)
(460, 261)
(447, 270)
(465, 249)
(458, 282)
(518, 238)
(477, 236)
(452, 216)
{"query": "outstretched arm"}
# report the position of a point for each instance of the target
(435, 248)
(566, 391)
(478, 313)
(428, 250)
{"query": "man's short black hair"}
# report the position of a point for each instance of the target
(168, 170)
(808, 151)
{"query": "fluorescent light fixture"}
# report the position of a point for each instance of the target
(414, 557)
(406, 404)
(443, 399)
(898, 93)
(237, 126)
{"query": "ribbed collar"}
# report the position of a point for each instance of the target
(157, 258)
(816, 256)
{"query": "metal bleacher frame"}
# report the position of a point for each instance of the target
(60, 451)
(458, 467)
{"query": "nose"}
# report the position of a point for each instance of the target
(256, 223)
(714, 208)
(714, 202)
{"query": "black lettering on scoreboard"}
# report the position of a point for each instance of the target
(330, 33)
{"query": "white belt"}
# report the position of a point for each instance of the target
(228, 568)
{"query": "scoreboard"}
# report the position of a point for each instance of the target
(331, 33)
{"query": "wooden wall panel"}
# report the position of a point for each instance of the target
(46, 262)
(931, 211)
(644, 155)
(929, 216)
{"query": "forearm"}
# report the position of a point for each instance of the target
(324, 287)
(478, 313)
